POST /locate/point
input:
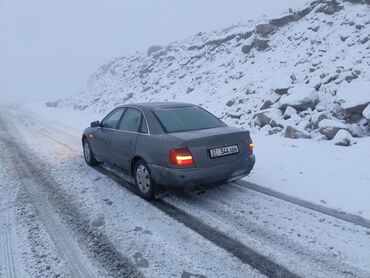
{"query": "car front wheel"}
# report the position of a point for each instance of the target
(88, 154)
(144, 181)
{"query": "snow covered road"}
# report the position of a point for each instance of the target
(61, 218)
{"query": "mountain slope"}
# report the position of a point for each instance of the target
(305, 74)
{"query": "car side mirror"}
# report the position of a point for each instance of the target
(95, 124)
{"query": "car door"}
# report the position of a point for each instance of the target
(124, 141)
(103, 135)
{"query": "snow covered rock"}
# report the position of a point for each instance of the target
(246, 49)
(318, 117)
(264, 29)
(289, 112)
(300, 98)
(329, 128)
(293, 133)
(154, 49)
(342, 138)
(265, 117)
(366, 114)
(260, 44)
(354, 96)
(266, 105)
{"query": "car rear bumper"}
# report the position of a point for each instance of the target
(191, 177)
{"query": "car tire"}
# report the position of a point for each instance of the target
(88, 154)
(145, 184)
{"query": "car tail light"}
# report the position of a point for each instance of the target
(251, 145)
(181, 157)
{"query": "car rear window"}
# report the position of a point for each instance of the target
(186, 118)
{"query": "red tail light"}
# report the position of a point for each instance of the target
(181, 157)
(251, 146)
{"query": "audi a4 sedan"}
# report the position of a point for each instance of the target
(169, 145)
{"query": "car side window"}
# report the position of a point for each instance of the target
(112, 119)
(131, 120)
(144, 127)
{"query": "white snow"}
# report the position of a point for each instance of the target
(354, 94)
(343, 137)
(366, 112)
(299, 95)
(332, 123)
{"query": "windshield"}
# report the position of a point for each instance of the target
(178, 119)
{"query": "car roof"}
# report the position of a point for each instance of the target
(158, 105)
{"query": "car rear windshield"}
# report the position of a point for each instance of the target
(186, 118)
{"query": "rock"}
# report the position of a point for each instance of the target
(153, 49)
(317, 118)
(329, 128)
(364, 39)
(264, 117)
(349, 78)
(264, 29)
(230, 102)
(342, 138)
(366, 113)
(354, 97)
(281, 91)
(246, 49)
(260, 44)
(267, 104)
(329, 8)
(52, 104)
(280, 22)
(315, 28)
(354, 1)
(275, 130)
(300, 98)
(293, 133)
(289, 112)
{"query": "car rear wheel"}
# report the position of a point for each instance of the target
(144, 181)
(88, 154)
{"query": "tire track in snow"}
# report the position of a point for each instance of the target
(47, 197)
(245, 254)
(351, 218)
(8, 246)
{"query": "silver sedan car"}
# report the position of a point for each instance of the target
(170, 145)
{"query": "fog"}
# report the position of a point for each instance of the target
(48, 48)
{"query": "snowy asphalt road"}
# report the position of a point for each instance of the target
(64, 219)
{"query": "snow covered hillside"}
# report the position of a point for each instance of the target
(303, 75)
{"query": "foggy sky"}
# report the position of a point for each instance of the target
(48, 48)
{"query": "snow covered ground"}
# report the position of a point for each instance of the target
(67, 219)
(315, 171)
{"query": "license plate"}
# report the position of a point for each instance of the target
(218, 152)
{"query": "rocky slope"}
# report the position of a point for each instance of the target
(303, 75)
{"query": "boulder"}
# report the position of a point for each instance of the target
(281, 91)
(289, 112)
(329, 8)
(342, 138)
(154, 49)
(260, 44)
(264, 29)
(230, 103)
(246, 49)
(366, 113)
(280, 22)
(300, 98)
(293, 133)
(329, 128)
(354, 97)
(318, 117)
(267, 104)
(265, 117)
